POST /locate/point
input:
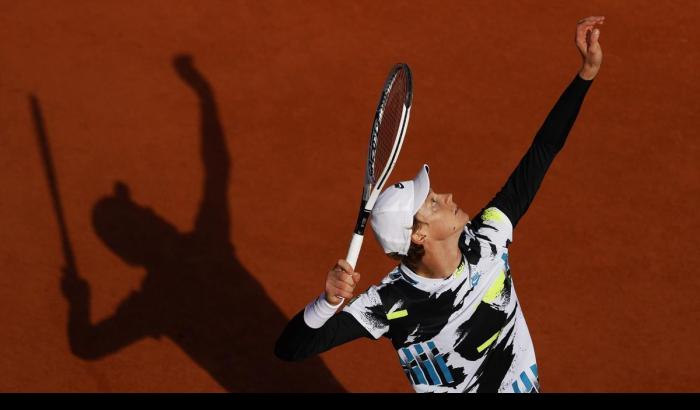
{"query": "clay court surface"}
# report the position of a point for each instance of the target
(236, 174)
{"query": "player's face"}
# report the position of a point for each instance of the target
(441, 217)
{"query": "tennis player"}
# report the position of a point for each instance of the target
(449, 307)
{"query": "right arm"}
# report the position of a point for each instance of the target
(129, 323)
(317, 328)
(300, 341)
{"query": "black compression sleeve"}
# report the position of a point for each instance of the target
(519, 190)
(298, 341)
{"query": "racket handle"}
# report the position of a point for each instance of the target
(354, 251)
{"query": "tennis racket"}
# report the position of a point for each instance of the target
(385, 140)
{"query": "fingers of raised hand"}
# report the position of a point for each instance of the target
(585, 31)
(586, 25)
(591, 20)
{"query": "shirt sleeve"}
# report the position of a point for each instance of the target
(298, 341)
(517, 194)
(494, 226)
(367, 308)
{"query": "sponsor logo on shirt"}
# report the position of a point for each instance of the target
(475, 278)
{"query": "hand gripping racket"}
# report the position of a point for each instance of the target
(386, 138)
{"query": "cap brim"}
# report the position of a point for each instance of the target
(421, 187)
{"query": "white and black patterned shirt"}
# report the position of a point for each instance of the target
(462, 333)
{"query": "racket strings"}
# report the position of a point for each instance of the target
(390, 121)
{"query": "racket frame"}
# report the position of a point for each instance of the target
(371, 190)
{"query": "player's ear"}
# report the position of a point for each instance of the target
(418, 236)
(418, 231)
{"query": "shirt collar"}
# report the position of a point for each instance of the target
(415, 278)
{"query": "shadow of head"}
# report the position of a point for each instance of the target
(135, 233)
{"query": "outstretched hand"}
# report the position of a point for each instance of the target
(587, 35)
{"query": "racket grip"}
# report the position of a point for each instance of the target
(354, 251)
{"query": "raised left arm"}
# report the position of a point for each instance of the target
(213, 220)
(517, 194)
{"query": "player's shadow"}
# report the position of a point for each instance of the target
(196, 292)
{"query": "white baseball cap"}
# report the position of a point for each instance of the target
(392, 215)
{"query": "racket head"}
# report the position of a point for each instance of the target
(388, 130)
